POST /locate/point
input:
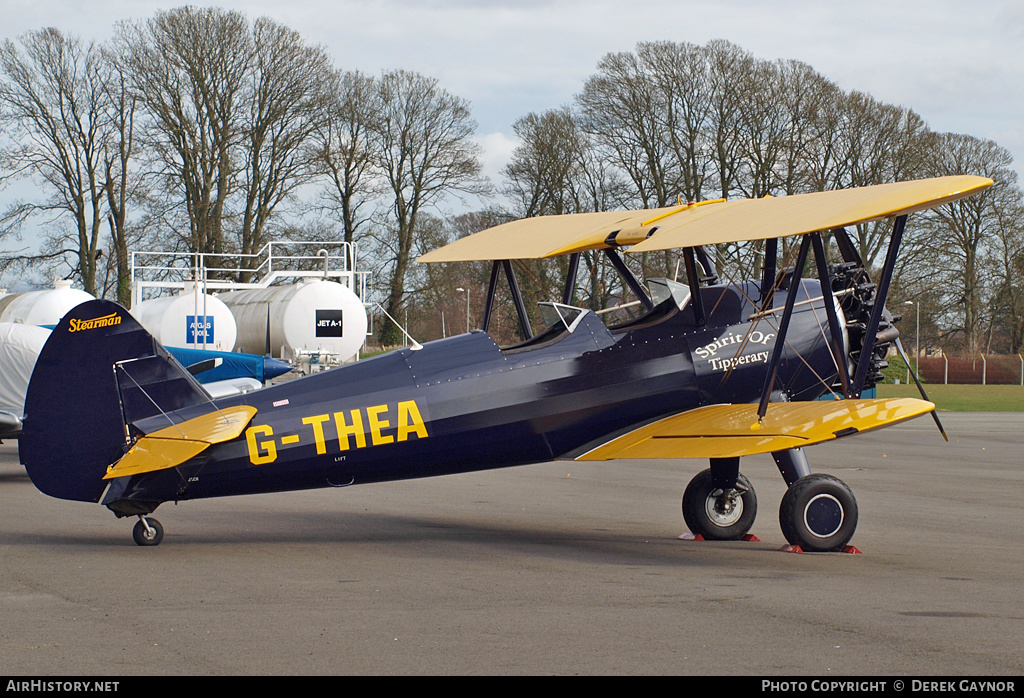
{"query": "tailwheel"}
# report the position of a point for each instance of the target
(818, 513)
(148, 531)
(717, 514)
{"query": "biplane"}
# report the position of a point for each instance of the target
(709, 370)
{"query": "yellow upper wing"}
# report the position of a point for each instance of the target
(534, 238)
(706, 223)
(761, 219)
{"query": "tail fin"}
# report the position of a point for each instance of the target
(97, 373)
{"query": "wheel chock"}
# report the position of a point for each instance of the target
(797, 549)
(749, 537)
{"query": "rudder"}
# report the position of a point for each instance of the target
(99, 370)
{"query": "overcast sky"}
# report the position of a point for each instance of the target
(960, 65)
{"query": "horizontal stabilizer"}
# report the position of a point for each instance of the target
(727, 431)
(173, 445)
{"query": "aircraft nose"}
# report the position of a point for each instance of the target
(272, 368)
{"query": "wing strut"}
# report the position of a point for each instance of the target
(570, 279)
(920, 388)
(771, 251)
(700, 317)
(780, 341)
(830, 310)
(492, 286)
(836, 341)
(627, 276)
(846, 247)
(517, 299)
(881, 292)
(710, 273)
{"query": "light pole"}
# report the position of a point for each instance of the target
(917, 341)
(466, 290)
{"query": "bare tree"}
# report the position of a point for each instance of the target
(763, 120)
(53, 104)
(344, 152)
(189, 67)
(1008, 261)
(881, 143)
(728, 65)
(961, 232)
(819, 163)
(545, 175)
(123, 182)
(289, 90)
(424, 140)
(680, 72)
(231, 112)
(623, 110)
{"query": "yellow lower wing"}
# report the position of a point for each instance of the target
(726, 431)
(172, 446)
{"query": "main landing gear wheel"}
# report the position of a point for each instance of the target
(818, 513)
(148, 531)
(717, 514)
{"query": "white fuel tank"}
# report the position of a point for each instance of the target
(313, 317)
(191, 319)
(20, 345)
(42, 308)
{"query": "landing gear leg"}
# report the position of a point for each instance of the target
(148, 531)
(719, 503)
(792, 464)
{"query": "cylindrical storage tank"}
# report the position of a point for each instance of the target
(42, 308)
(191, 320)
(308, 317)
(19, 348)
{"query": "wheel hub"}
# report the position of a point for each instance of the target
(724, 508)
(823, 516)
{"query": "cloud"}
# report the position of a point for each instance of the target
(961, 70)
(497, 152)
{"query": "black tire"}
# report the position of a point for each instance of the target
(147, 537)
(818, 513)
(716, 515)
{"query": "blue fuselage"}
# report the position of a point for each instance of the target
(463, 403)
